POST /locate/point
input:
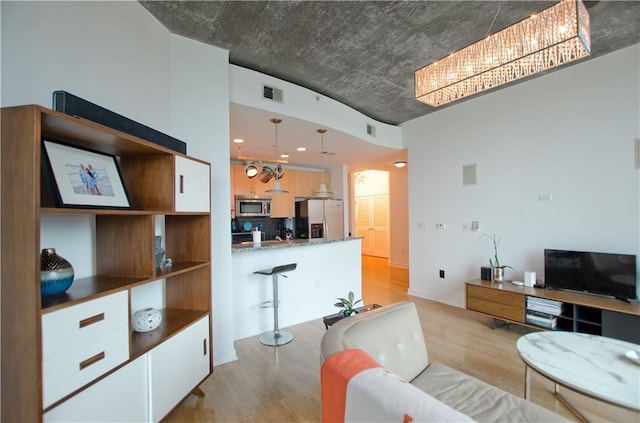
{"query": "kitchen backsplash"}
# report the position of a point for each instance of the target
(270, 226)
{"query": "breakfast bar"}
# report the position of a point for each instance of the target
(326, 269)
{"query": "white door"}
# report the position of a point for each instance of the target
(191, 185)
(372, 223)
(177, 366)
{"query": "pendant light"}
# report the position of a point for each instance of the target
(322, 192)
(278, 171)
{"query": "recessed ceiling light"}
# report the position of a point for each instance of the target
(284, 155)
(238, 140)
(301, 149)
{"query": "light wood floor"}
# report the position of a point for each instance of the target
(282, 384)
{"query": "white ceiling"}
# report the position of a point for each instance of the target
(255, 127)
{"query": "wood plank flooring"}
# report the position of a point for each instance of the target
(282, 384)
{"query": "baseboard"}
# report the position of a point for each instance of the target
(400, 265)
(267, 326)
(225, 357)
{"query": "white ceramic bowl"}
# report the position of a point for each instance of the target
(146, 320)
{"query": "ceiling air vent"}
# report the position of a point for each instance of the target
(271, 93)
(371, 130)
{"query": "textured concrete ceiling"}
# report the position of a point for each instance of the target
(364, 53)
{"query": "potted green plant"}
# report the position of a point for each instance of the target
(498, 269)
(348, 305)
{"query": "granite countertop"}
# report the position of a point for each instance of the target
(273, 244)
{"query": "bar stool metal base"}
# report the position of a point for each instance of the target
(277, 337)
(273, 339)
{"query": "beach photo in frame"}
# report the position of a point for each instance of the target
(85, 178)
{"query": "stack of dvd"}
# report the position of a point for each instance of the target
(543, 312)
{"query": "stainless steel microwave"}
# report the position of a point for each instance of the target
(252, 206)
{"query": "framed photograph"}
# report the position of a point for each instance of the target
(85, 178)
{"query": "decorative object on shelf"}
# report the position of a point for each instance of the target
(56, 273)
(159, 253)
(348, 305)
(553, 37)
(85, 178)
(498, 269)
(322, 192)
(146, 320)
(278, 173)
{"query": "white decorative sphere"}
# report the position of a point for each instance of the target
(146, 320)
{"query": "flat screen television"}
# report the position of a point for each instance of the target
(607, 274)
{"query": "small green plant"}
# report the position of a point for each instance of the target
(495, 263)
(348, 305)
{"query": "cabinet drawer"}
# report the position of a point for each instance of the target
(503, 304)
(76, 325)
(78, 366)
(191, 185)
(120, 397)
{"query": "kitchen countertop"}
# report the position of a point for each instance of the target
(273, 244)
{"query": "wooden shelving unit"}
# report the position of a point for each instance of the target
(582, 313)
(124, 246)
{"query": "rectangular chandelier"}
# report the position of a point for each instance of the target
(553, 37)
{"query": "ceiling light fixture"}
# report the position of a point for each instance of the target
(238, 140)
(553, 37)
(400, 163)
(278, 171)
(322, 192)
(251, 170)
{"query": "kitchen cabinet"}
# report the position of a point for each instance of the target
(284, 205)
(59, 350)
(307, 182)
(244, 185)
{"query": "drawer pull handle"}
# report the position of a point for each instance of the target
(91, 360)
(204, 346)
(91, 320)
(181, 184)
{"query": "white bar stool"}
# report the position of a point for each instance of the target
(277, 337)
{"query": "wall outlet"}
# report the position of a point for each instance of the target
(442, 273)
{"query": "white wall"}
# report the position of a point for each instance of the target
(324, 272)
(117, 55)
(568, 134)
(302, 103)
(200, 115)
(399, 217)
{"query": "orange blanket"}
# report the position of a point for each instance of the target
(355, 388)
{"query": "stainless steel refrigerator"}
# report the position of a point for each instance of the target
(317, 218)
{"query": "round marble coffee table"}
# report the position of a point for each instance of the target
(592, 365)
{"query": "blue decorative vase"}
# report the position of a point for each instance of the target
(159, 253)
(56, 273)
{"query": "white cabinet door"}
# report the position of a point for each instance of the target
(192, 185)
(120, 397)
(177, 366)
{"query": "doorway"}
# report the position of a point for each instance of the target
(371, 193)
